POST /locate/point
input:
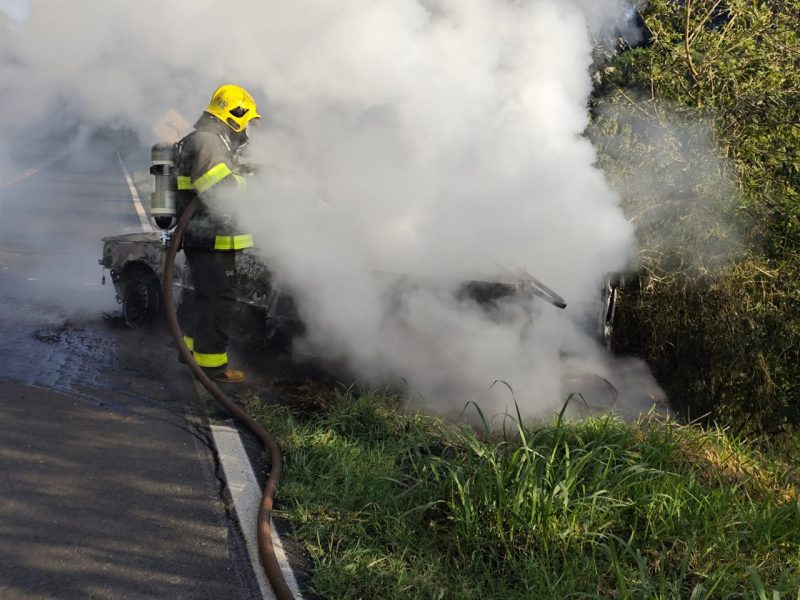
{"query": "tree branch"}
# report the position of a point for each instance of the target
(689, 61)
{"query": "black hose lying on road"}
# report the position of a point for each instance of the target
(266, 550)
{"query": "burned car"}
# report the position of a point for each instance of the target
(136, 265)
(135, 262)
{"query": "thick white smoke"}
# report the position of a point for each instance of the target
(426, 142)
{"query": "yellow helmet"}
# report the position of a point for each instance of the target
(234, 106)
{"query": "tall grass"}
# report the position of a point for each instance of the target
(400, 505)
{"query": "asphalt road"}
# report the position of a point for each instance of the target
(109, 485)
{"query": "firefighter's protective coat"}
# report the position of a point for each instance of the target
(207, 167)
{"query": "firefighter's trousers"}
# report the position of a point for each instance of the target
(205, 324)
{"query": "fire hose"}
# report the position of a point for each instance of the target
(266, 550)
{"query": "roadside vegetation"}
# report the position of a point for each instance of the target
(699, 130)
(394, 504)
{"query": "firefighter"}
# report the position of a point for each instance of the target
(208, 168)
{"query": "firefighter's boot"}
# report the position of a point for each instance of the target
(227, 376)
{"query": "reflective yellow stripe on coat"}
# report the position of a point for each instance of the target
(211, 177)
(233, 242)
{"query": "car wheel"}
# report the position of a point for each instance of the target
(140, 300)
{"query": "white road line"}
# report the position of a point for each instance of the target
(246, 496)
(137, 203)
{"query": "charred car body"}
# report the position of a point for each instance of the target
(136, 265)
(135, 262)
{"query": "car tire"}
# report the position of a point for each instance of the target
(141, 299)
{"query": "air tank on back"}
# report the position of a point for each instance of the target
(163, 204)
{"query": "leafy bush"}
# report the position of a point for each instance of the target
(699, 131)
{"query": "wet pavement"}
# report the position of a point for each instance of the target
(109, 485)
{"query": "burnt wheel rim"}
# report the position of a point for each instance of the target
(137, 303)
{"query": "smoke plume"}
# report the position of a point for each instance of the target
(408, 147)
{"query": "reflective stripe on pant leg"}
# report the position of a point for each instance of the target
(211, 360)
(189, 343)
